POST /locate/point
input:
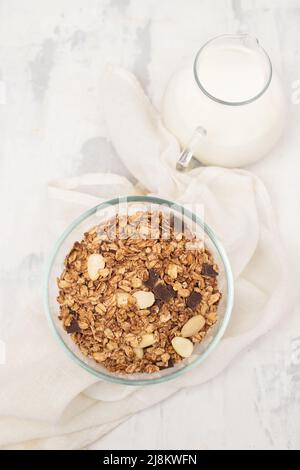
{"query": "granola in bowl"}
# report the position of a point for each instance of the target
(137, 294)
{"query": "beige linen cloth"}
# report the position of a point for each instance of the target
(47, 401)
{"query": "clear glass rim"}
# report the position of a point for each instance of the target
(233, 103)
(228, 275)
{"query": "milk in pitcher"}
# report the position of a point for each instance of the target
(233, 92)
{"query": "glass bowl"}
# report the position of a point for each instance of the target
(104, 212)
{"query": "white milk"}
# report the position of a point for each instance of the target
(236, 134)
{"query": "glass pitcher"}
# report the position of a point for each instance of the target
(230, 102)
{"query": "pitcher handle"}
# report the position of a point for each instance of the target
(187, 154)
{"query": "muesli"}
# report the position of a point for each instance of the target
(137, 293)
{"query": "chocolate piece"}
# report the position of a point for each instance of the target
(164, 292)
(208, 270)
(170, 363)
(152, 279)
(193, 300)
(73, 327)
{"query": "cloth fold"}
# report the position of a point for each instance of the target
(46, 400)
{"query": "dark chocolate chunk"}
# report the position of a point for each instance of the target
(170, 363)
(208, 270)
(152, 279)
(73, 327)
(164, 292)
(193, 300)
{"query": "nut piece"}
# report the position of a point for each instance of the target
(172, 271)
(183, 346)
(122, 299)
(95, 262)
(139, 352)
(147, 340)
(144, 299)
(193, 326)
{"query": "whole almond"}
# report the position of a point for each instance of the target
(147, 340)
(144, 299)
(193, 326)
(183, 346)
(95, 262)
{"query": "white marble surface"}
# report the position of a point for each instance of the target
(52, 53)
